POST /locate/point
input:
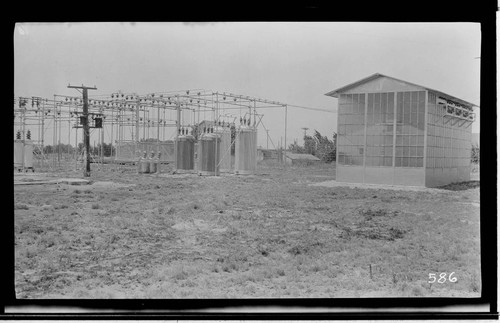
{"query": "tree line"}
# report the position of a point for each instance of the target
(317, 145)
(109, 150)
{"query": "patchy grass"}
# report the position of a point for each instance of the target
(21, 206)
(461, 186)
(266, 235)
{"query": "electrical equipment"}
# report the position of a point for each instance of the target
(209, 154)
(225, 148)
(98, 122)
(184, 153)
(245, 159)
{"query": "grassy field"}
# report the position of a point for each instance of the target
(267, 235)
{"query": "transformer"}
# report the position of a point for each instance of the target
(184, 158)
(209, 154)
(225, 164)
(245, 159)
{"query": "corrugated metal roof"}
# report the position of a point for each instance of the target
(301, 156)
(336, 92)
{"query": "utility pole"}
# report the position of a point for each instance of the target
(286, 119)
(267, 131)
(137, 108)
(86, 132)
(305, 134)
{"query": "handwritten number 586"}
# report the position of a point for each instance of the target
(442, 278)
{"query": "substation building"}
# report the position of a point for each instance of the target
(395, 132)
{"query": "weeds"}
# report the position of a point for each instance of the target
(267, 247)
(179, 273)
(370, 213)
(475, 283)
(462, 186)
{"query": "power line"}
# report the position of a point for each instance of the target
(308, 108)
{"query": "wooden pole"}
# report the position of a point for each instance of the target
(284, 151)
(137, 107)
(86, 133)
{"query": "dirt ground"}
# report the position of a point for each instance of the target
(272, 235)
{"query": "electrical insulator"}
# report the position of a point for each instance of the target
(241, 120)
(18, 135)
(187, 92)
(249, 121)
(179, 131)
(28, 135)
(244, 121)
(204, 129)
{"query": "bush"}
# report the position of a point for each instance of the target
(475, 154)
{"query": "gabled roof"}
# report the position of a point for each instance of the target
(335, 93)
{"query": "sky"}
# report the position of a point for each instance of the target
(290, 62)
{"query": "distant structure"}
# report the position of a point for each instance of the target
(399, 133)
(301, 159)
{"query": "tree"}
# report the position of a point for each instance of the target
(310, 145)
(325, 148)
(296, 148)
(317, 145)
(47, 149)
